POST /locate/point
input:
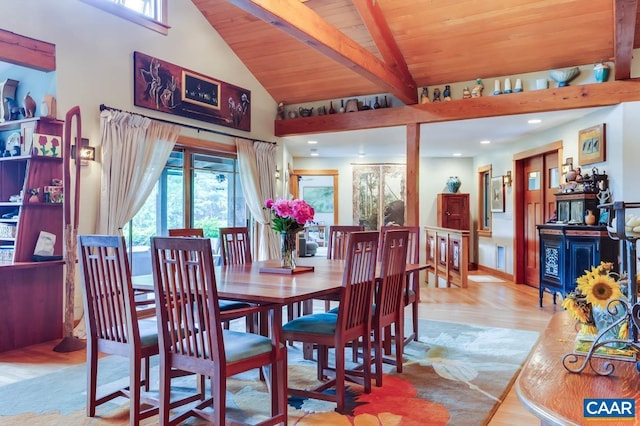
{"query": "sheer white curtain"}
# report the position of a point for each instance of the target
(135, 150)
(257, 166)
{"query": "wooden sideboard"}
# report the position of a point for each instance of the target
(555, 395)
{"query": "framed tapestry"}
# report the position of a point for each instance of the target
(592, 145)
(169, 88)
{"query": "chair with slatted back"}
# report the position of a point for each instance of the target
(192, 338)
(225, 305)
(236, 248)
(336, 248)
(389, 299)
(412, 289)
(113, 326)
(353, 321)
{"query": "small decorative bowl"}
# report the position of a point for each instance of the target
(563, 77)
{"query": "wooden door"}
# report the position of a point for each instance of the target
(453, 211)
(533, 215)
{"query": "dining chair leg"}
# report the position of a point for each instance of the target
(399, 340)
(135, 374)
(146, 370)
(92, 379)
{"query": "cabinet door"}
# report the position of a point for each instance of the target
(453, 211)
(583, 254)
(551, 261)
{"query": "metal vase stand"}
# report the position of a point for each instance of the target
(576, 362)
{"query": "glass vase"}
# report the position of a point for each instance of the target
(605, 318)
(287, 250)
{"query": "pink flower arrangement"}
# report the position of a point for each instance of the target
(289, 215)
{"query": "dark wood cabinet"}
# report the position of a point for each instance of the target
(453, 211)
(566, 251)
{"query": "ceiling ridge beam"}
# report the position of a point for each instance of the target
(624, 20)
(306, 26)
(382, 36)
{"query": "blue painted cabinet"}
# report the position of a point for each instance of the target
(566, 251)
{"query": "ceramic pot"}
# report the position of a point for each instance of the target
(601, 72)
(590, 218)
(453, 184)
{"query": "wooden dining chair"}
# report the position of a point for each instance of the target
(336, 248)
(225, 305)
(113, 326)
(192, 338)
(412, 289)
(389, 305)
(352, 322)
(236, 248)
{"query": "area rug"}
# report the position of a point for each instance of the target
(456, 374)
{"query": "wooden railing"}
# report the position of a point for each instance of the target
(448, 255)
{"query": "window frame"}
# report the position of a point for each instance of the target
(484, 206)
(122, 11)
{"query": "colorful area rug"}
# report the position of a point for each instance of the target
(457, 374)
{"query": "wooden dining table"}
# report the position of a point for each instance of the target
(248, 284)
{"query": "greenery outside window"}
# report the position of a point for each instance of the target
(484, 201)
(197, 189)
(151, 14)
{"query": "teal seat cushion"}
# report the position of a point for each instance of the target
(334, 310)
(228, 305)
(239, 346)
(148, 331)
(324, 323)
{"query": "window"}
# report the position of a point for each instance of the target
(197, 189)
(484, 201)
(148, 13)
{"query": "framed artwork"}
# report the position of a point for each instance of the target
(320, 197)
(497, 194)
(592, 145)
(171, 89)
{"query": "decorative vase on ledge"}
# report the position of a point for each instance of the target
(453, 184)
(287, 250)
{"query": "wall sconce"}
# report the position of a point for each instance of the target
(506, 179)
(277, 174)
(567, 166)
(87, 153)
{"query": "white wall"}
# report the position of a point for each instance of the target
(94, 61)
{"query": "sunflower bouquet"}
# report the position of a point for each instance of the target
(597, 288)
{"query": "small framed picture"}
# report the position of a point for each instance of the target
(497, 194)
(592, 145)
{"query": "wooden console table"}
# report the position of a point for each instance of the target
(555, 395)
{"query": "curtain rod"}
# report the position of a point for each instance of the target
(199, 129)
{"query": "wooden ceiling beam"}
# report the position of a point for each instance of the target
(556, 99)
(624, 17)
(27, 52)
(380, 32)
(306, 26)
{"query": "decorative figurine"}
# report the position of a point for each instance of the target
(466, 93)
(280, 115)
(33, 192)
(496, 88)
(507, 85)
(518, 87)
(447, 93)
(424, 96)
(477, 89)
(29, 106)
(436, 95)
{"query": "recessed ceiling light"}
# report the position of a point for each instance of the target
(485, 142)
(361, 154)
(534, 121)
(457, 154)
(312, 142)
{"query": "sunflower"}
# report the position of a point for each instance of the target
(578, 311)
(600, 289)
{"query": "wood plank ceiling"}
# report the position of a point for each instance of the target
(303, 51)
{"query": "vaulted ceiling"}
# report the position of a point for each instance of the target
(303, 51)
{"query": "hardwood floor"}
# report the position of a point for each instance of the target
(492, 304)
